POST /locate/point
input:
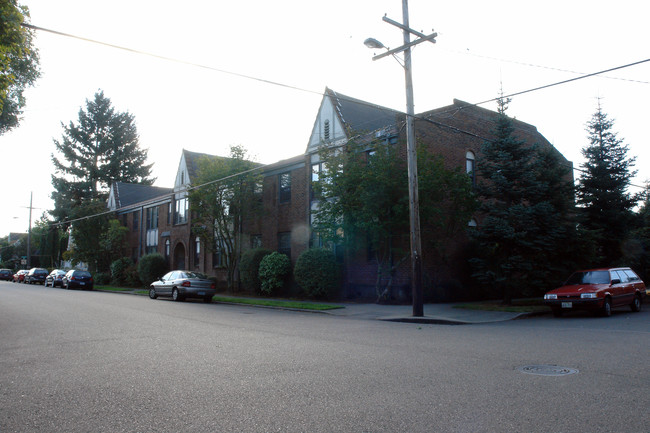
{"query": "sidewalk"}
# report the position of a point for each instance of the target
(444, 314)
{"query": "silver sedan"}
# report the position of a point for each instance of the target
(181, 285)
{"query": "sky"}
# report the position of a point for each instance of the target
(290, 50)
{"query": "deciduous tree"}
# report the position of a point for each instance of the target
(19, 62)
(227, 190)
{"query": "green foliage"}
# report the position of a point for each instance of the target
(151, 267)
(317, 272)
(101, 149)
(87, 232)
(274, 270)
(249, 267)
(605, 204)
(228, 195)
(526, 199)
(364, 203)
(19, 62)
(102, 278)
(120, 270)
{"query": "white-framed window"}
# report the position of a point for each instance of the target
(470, 166)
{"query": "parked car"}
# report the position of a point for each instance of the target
(76, 279)
(36, 275)
(598, 290)
(6, 275)
(55, 278)
(19, 276)
(183, 284)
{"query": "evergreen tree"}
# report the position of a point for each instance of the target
(101, 149)
(19, 62)
(605, 204)
(526, 199)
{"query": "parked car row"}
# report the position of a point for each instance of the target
(72, 279)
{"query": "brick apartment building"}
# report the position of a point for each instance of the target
(159, 219)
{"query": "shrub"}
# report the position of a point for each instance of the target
(249, 268)
(274, 269)
(102, 278)
(317, 273)
(151, 267)
(119, 268)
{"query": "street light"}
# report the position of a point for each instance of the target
(414, 202)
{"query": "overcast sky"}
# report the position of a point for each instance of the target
(307, 46)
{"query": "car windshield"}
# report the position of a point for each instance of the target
(82, 274)
(589, 277)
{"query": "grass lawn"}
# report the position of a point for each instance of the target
(276, 303)
(114, 288)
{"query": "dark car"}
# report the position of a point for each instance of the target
(55, 278)
(19, 277)
(36, 276)
(598, 290)
(6, 274)
(183, 284)
(76, 279)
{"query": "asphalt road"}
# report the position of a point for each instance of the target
(74, 361)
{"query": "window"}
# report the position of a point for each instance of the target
(136, 221)
(180, 217)
(256, 241)
(170, 211)
(284, 181)
(326, 130)
(284, 243)
(219, 255)
(197, 251)
(470, 166)
(167, 249)
(316, 170)
(152, 218)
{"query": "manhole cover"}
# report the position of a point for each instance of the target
(547, 370)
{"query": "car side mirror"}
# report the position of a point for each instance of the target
(616, 281)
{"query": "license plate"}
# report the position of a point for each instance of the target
(201, 293)
(82, 284)
(567, 304)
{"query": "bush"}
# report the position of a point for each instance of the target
(274, 269)
(249, 268)
(151, 267)
(102, 278)
(317, 273)
(119, 270)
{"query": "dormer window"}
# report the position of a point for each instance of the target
(326, 130)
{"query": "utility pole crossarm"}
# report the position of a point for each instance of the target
(410, 30)
(425, 38)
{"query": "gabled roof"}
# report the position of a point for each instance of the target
(360, 116)
(191, 160)
(127, 194)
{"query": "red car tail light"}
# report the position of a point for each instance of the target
(186, 284)
(212, 286)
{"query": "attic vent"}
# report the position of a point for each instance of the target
(326, 133)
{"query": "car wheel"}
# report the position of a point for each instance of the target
(635, 306)
(607, 307)
(176, 296)
(557, 312)
(152, 293)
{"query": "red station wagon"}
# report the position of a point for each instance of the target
(598, 290)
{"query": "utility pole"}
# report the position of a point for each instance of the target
(29, 234)
(411, 151)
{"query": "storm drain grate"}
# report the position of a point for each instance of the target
(547, 370)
